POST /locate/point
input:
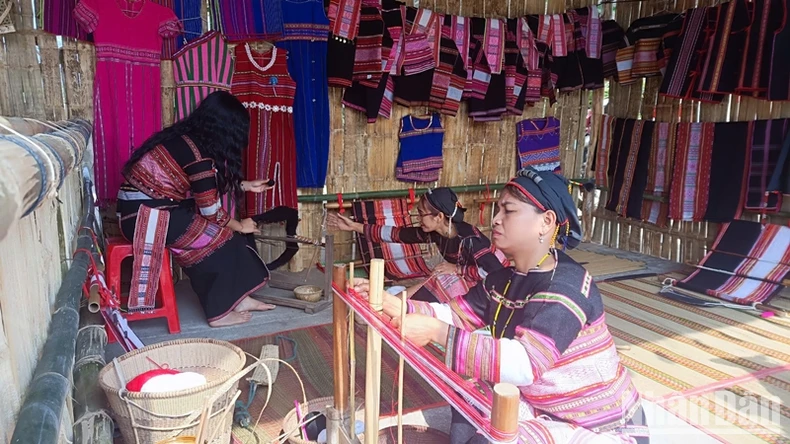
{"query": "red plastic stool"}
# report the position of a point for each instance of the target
(118, 249)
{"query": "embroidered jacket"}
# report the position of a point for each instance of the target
(549, 338)
(177, 171)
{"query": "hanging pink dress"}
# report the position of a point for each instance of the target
(127, 90)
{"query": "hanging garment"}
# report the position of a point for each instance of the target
(127, 87)
(188, 13)
(488, 101)
(305, 34)
(765, 149)
(420, 156)
(659, 174)
(613, 40)
(780, 179)
(724, 57)
(448, 79)
(766, 20)
(368, 101)
(171, 200)
(728, 170)
(344, 18)
(261, 82)
(645, 54)
(746, 264)
(402, 261)
(684, 71)
(367, 57)
(688, 198)
(632, 158)
(779, 82)
(60, 20)
(244, 20)
(538, 144)
(611, 129)
(203, 66)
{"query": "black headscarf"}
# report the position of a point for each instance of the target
(446, 201)
(549, 191)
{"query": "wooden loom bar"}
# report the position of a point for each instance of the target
(504, 412)
(340, 340)
(352, 360)
(373, 365)
(403, 302)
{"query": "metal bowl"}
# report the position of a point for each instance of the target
(308, 293)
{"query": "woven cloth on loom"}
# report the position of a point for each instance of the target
(747, 263)
(403, 261)
(703, 365)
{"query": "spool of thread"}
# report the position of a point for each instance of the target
(767, 314)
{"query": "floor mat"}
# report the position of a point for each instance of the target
(312, 359)
(724, 371)
(604, 264)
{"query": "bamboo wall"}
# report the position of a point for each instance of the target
(362, 156)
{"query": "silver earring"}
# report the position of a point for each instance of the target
(541, 239)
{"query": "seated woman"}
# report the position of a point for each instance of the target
(468, 254)
(546, 331)
(171, 198)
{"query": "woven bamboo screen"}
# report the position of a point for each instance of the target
(362, 155)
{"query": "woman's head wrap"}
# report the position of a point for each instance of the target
(446, 202)
(549, 191)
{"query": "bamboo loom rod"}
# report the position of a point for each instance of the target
(504, 411)
(373, 365)
(340, 340)
(403, 302)
(352, 361)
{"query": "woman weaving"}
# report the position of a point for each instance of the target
(468, 254)
(544, 327)
(171, 198)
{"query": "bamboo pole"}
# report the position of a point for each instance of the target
(373, 365)
(340, 352)
(92, 424)
(352, 363)
(403, 298)
(504, 412)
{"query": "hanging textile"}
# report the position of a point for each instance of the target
(261, 82)
(646, 54)
(685, 68)
(747, 263)
(58, 19)
(631, 169)
(720, 74)
(420, 155)
(245, 20)
(780, 179)
(487, 101)
(766, 17)
(367, 57)
(613, 40)
(344, 18)
(403, 261)
(765, 149)
(609, 133)
(688, 199)
(305, 34)
(127, 86)
(659, 174)
(538, 144)
(203, 66)
(188, 13)
(779, 82)
(366, 100)
(728, 171)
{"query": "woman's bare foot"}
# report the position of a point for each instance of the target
(250, 304)
(232, 318)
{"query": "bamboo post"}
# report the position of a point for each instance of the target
(352, 358)
(404, 296)
(504, 412)
(373, 365)
(340, 353)
(92, 421)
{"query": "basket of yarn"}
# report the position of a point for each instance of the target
(162, 391)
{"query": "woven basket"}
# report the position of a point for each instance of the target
(146, 418)
(291, 425)
(308, 293)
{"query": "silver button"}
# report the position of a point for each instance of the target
(313, 100)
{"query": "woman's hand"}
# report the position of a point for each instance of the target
(390, 304)
(248, 226)
(256, 186)
(342, 223)
(446, 268)
(422, 330)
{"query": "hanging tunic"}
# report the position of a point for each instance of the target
(470, 250)
(203, 66)
(420, 156)
(548, 336)
(304, 38)
(245, 20)
(538, 144)
(645, 54)
(127, 90)
(344, 18)
(613, 39)
(171, 199)
(261, 82)
(188, 13)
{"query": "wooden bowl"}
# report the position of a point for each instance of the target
(308, 293)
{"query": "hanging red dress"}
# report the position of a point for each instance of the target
(127, 100)
(262, 83)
